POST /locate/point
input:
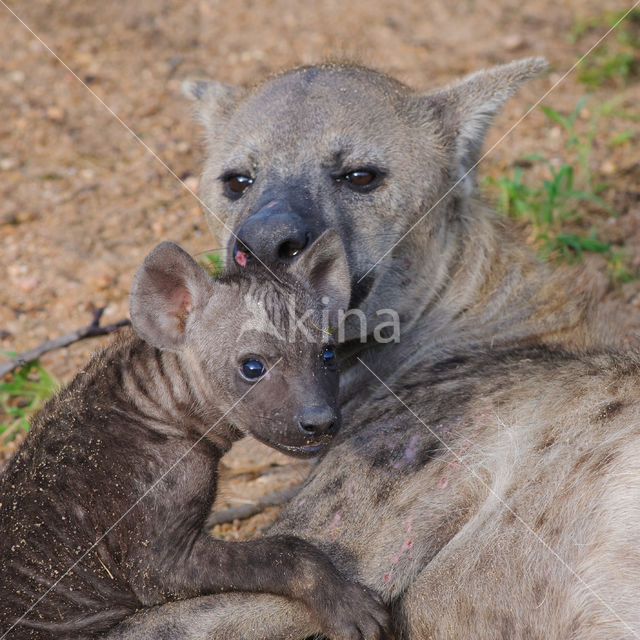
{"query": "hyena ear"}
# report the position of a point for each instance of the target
(468, 107)
(324, 267)
(166, 291)
(212, 100)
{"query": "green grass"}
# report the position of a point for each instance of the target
(555, 206)
(615, 62)
(212, 262)
(621, 138)
(21, 394)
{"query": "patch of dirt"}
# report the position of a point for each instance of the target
(82, 201)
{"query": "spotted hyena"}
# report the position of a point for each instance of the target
(487, 479)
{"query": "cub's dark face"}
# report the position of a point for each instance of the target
(289, 396)
(259, 345)
(279, 376)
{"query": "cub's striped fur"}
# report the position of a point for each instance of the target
(103, 507)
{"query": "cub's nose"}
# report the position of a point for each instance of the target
(318, 421)
(274, 234)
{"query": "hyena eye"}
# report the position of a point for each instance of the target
(360, 178)
(328, 356)
(364, 179)
(235, 184)
(252, 369)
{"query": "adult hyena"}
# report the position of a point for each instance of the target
(496, 492)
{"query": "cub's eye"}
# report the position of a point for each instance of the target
(252, 369)
(235, 184)
(328, 356)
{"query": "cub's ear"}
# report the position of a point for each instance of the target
(324, 267)
(167, 290)
(213, 101)
(467, 108)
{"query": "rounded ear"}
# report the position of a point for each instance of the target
(467, 108)
(212, 100)
(166, 291)
(325, 268)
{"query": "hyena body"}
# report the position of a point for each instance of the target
(501, 501)
(103, 507)
(497, 495)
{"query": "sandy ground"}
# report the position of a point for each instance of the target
(94, 150)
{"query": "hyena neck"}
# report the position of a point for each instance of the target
(167, 391)
(473, 283)
(491, 289)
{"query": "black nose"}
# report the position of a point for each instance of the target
(274, 234)
(318, 421)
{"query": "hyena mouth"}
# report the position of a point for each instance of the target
(360, 289)
(302, 451)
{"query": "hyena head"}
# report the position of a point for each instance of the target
(346, 148)
(258, 345)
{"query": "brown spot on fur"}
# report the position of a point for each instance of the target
(602, 464)
(555, 534)
(539, 590)
(333, 486)
(381, 458)
(598, 463)
(382, 493)
(581, 461)
(540, 520)
(548, 440)
(453, 522)
(576, 625)
(503, 624)
(609, 411)
(508, 627)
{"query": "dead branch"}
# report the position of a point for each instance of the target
(92, 330)
(262, 470)
(244, 511)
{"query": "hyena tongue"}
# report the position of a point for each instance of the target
(241, 253)
(241, 258)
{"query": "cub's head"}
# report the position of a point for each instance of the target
(259, 345)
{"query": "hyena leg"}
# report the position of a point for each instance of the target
(230, 616)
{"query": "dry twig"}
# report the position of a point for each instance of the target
(92, 330)
(244, 511)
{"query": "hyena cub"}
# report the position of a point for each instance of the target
(103, 507)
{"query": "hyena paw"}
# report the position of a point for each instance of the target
(353, 612)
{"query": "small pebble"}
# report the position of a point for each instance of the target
(608, 168)
(192, 183)
(55, 113)
(513, 42)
